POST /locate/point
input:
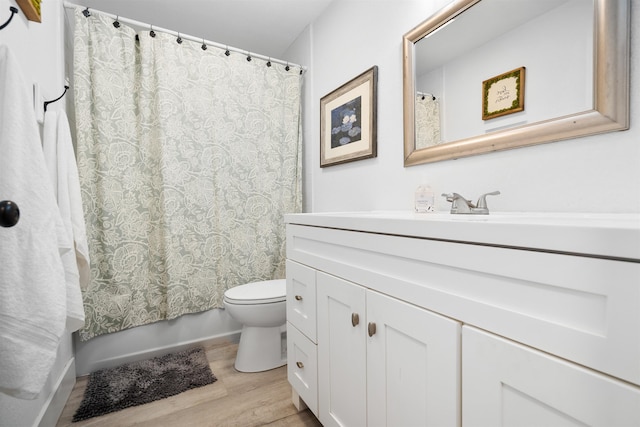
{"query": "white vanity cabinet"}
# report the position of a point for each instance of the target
(382, 361)
(478, 321)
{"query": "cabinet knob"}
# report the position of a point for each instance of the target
(355, 319)
(372, 329)
(300, 365)
(298, 297)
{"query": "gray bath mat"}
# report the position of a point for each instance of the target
(114, 389)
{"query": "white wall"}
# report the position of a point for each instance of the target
(593, 174)
(39, 48)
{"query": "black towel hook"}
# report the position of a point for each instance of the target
(66, 88)
(13, 10)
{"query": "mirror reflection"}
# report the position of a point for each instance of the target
(455, 63)
(553, 39)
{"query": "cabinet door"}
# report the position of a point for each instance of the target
(341, 352)
(508, 384)
(413, 365)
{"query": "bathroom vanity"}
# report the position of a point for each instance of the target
(455, 320)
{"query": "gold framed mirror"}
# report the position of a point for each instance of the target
(596, 91)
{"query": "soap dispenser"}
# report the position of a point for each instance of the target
(424, 199)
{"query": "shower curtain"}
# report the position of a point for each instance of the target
(188, 160)
(427, 121)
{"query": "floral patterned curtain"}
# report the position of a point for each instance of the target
(427, 121)
(188, 160)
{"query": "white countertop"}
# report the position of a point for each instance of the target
(602, 235)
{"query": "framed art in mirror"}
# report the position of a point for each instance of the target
(577, 80)
(348, 121)
(503, 94)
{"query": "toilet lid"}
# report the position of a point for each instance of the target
(264, 292)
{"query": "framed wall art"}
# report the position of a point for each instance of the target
(348, 121)
(31, 9)
(503, 94)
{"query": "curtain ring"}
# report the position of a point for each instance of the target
(116, 23)
(204, 45)
(248, 56)
(301, 71)
(179, 39)
(152, 33)
(269, 63)
(86, 12)
(287, 68)
(226, 52)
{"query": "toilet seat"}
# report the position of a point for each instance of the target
(265, 292)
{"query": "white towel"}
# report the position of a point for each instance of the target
(63, 172)
(32, 282)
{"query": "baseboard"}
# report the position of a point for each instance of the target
(158, 351)
(53, 407)
(155, 339)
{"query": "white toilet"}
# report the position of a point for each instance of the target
(261, 308)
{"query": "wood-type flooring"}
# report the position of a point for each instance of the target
(236, 399)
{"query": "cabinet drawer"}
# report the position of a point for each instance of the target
(301, 298)
(302, 368)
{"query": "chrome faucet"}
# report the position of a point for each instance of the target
(460, 205)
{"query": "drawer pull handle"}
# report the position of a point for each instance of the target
(298, 297)
(355, 319)
(300, 365)
(372, 329)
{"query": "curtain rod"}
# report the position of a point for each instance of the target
(423, 94)
(250, 55)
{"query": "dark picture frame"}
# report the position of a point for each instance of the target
(348, 121)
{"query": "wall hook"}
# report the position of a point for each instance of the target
(13, 12)
(66, 87)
